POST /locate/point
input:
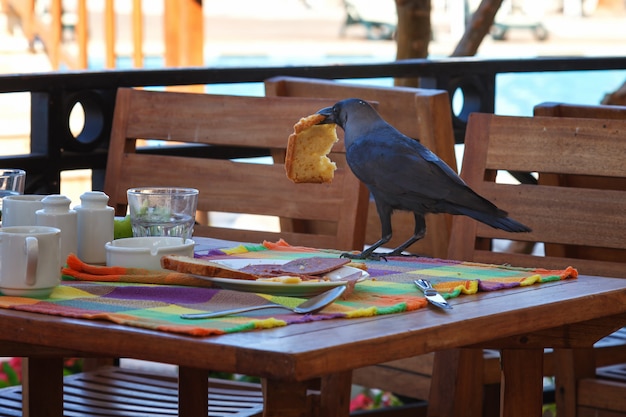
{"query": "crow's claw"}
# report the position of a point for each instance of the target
(364, 256)
(403, 254)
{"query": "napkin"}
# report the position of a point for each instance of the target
(79, 270)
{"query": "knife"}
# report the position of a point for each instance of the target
(432, 295)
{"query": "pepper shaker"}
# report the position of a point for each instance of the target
(56, 212)
(95, 226)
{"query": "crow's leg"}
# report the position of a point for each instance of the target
(369, 252)
(384, 213)
(418, 233)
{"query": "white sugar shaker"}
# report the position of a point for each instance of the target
(95, 226)
(56, 212)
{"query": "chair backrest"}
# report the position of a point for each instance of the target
(557, 214)
(583, 111)
(423, 114)
(552, 109)
(260, 124)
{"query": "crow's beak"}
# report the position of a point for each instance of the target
(328, 112)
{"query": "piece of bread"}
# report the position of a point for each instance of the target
(202, 267)
(307, 150)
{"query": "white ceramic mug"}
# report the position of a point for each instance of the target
(29, 260)
(19, 210)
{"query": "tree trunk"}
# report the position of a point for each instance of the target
(413, 33)
(478, 28)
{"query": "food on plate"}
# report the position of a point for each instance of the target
(359, 265)
(262, 270)
(203, 267)
(307, 269)
(307, 150)
(313, 266)
(285, 279)
(311, 269)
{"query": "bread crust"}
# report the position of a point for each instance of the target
(203, 267)
(308, 121)
(297, 157)
(304, 269)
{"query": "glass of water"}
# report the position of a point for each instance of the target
(11, 182)
(162, 211)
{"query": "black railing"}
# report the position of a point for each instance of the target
(53, 96)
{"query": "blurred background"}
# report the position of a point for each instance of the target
(252, 33)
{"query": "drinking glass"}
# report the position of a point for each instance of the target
(11, 182)
(162, 211)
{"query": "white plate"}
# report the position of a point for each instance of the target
(302, 289)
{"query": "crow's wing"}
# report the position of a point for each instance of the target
(399, 165)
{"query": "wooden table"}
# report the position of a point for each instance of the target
(521, 322)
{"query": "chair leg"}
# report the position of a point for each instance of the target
(571, 365)
(491, 400)
(193, 386)
(42, 387)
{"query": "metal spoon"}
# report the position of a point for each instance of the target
(309, 306)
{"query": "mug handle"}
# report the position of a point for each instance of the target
(31, 247)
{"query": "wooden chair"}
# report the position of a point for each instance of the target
(554, 146)
(610, 352)
(214, 122)
(423, 114)
(561, 215)
(595, 112)
(118, 391)
(217, 127)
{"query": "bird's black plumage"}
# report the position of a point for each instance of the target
(402, 174)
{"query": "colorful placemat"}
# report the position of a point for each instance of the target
(154, 299)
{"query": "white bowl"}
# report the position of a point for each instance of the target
(146, 252)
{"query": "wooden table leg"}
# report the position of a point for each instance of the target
(286, 398)
(335, 394)
(521, 392)
(325, 397)
(42, 387)
(456, 388)
(193, 392)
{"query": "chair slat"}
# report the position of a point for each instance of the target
(589, 217)
(571, 146)
(217, 119)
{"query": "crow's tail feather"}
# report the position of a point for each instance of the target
(498, 221)
(508, 224)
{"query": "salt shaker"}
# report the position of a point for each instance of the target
(56, 212)
(95, 226)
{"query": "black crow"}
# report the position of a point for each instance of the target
(402, 174)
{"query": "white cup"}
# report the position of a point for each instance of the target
(29, 260)
(19, 210)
